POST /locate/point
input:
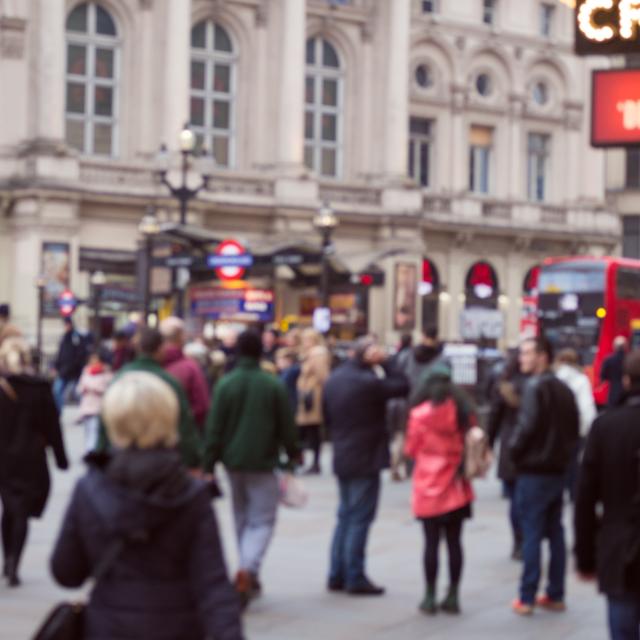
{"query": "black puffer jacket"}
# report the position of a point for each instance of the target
(547, 428)
(170, 581)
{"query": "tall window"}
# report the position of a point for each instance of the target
(631, 237)
(91, 80)
(489, 11)
(633, 169)
(420, 150)
(547, 12)
(212, 91)
(323, 109)
(538, 166)
(429, 6)
(480, 151)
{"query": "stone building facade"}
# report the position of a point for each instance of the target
(450, 137)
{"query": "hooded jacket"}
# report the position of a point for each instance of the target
(169, 581)
(91, 387)
(414, 362)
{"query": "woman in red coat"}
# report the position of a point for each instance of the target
(441, 495)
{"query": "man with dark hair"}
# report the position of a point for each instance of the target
(250, 424)
(69, 363)
(270, 338)
(544, 437)
(607, 514)
(612, 371)
(149, 343)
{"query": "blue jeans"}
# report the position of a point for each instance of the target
(60, 389)
(509, 488)
(539, 503)
(624, 618)
(356, 512)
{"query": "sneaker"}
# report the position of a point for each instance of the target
(546, 603)
(243, 585)
(521, 608)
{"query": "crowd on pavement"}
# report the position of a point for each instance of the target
(163, 410)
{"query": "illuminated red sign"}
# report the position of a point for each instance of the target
(615, 118)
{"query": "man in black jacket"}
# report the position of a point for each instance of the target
(71, 358)
(354, 409)
(544, 437)
(613, 371)
(609, 484)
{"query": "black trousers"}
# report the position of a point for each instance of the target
(452, 531)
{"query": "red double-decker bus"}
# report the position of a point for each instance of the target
(584, 303)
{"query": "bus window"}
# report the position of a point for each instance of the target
(628, 283)
(572, 277)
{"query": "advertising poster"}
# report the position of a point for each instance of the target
(56, 269)
(404, 296)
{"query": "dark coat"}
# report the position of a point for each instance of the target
(169, 582)
(354, 409)
(289, 377)
(547, 428)
(609, 479)
(72, 355)
(612, 372)
(27, 428)
(506, 396)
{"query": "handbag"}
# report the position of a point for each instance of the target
(66, 621)
(292, 491)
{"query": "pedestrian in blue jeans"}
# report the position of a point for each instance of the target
(541, 446)
(354, 404)
(607, 511)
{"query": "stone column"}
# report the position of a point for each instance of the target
(291, 91)
(176, 70)
(397, 89)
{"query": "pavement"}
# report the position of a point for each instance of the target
(295, 604)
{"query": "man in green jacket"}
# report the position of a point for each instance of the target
(149, 358)
(249, 424)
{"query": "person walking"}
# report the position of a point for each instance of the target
(250, 424)
(140, 513)
(355, 398)
(185, 370)
(415, 362)
(607, 508)
(7, 328)
(442, 497)
(29, 425)
(150, 356)
(567, 369)
(541, 447)
(289, 372)
(315, 366)
(93, 383)
(123, 351)
(506, 397)
(612, 371)
(71, 358)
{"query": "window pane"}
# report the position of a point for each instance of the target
(420, 126)
(197, 75)
(330, 92)
(103, 101)
(102, 139)
(197, 111)
(308, 125)
(75, 134)
(221, 150)
(311, 51)
(309, 90)
(308, 157)
(76, 59)
(104, 63)
(199, 36)
(222, 78)
(222, 42)
(329, 128)
(104, 22)
(411, 161)
(424, 165)
(220, 114)
(77, 20)
(328, 167)
(633, 168)
(329, 55)
(75, 97)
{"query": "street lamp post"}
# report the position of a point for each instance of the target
(40, 284)
(148, 228)
(325, 221)
(183, 193)
(98, 281)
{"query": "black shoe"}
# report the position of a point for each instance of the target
(335, 585)
(366, 589)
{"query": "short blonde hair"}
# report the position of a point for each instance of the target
(15, 355)
(140, 410)
(172, 328)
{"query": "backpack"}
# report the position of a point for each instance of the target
(477, 454)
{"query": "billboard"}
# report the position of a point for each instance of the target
(607, 27)
(615, 117)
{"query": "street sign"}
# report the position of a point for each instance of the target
(607, 27)
(615, 119)
(239, 304)
(478, 322)
(230, 260)
(67, 303)
(322, 319)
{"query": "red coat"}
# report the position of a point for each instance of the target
(434, 441)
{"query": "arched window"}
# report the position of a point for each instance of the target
(92, 80)
(481, 285)
(212, 90)
(323, 109)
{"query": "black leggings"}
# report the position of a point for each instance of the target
(313, 440)
(15, 525)
(453, 535)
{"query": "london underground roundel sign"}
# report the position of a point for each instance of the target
(230, 260)
(67, 303)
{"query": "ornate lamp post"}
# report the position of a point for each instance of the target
(149, 227)
(325, 221)
(98, 281)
